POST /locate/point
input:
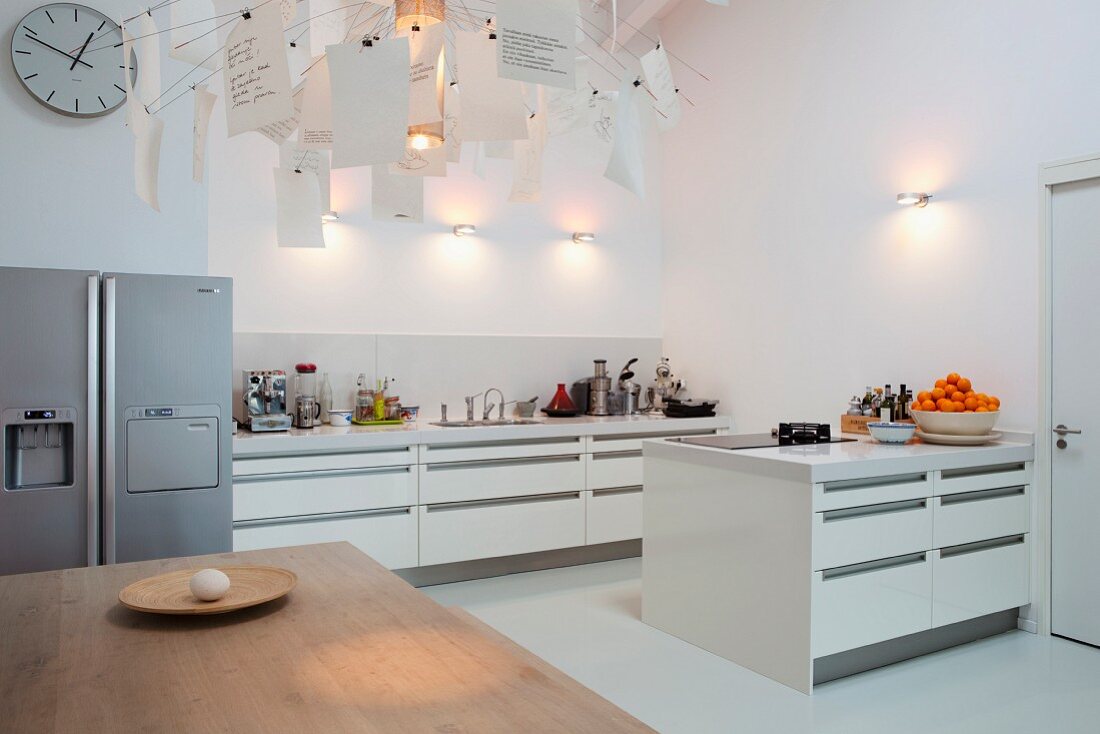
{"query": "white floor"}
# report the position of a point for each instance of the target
(586, 621)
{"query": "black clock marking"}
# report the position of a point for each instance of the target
(74, 16)
(51, 95)
(120, 89)
(32, 76)
(78, 104)
(28, 53)
(101, 25)
(31, 30)
(50, 17)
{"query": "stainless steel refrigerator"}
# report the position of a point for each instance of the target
(115, 412)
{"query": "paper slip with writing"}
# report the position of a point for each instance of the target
(370, 102)
(136, 115)
(278, 131)
(257, 76)
(627, 164)
(147, 160)
(315, 129)
(147, 46)
(289, 10)
(537, 41)
(527, 165)
(396, 198)
(425, 73)
(295, 158)
(658, 77)
(192, 38)
(298, 209)
(429, 162)
(451, 111)
(204, 105)
(492, 107)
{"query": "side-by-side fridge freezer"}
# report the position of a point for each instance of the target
(115, 412)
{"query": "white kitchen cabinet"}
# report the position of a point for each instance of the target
(614, 469)
(966, 517)
(613, 514)
(980, 578)
(266, 464)
(312, 493)
(493, 478)
(973, 479)
(856, 534)
(464, 531)
(871, 491)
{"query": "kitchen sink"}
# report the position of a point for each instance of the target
(488, 423)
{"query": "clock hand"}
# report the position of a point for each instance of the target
(54, 48)
(89, 38)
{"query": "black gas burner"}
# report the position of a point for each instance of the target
(788, 434)
(792, 433)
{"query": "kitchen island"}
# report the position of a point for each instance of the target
(351, 648)
(810, 562)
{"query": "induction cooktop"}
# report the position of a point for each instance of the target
(788, 434)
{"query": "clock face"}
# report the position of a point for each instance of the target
(68, 57)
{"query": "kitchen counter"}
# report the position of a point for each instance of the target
(351, 648)
(351, 438)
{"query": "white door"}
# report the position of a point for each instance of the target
(1075, 466)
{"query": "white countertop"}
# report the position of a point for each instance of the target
(328, 438)
(858, 459)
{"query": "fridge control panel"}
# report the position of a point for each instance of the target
(39, 415)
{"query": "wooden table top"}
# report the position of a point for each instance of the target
(352, 648)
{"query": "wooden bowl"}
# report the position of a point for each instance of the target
(170, 593)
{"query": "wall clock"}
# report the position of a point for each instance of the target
(67, 57)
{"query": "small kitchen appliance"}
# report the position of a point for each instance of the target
(629, 389)
(265, 400)
(307, 411)
(665, 387)
(599, 390)
(788, 434)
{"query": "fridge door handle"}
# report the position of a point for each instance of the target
(92, 422)
(109, 412)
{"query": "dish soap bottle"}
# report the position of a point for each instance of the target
(326, 397)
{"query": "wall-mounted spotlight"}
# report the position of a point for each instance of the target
(584, 236)
(461, 230)
(918, 199)
(329, 216)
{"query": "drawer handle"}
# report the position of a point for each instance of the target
(248, 458)
(984, 494)
(616, 490)
(472, 504)
(981, 545)
(322, 517)
(872, 566)
(437, 448)
(886, 508)
(876, 482)
(534, 460)
(617, 455)
(322, 474)
(648, 436)
(978, 471)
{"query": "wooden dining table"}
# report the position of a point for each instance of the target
(352, 648)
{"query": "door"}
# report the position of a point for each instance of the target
(1075, 462)
(48, 398)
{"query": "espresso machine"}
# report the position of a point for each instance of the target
(265, 400)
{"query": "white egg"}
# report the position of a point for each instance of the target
(209, 584)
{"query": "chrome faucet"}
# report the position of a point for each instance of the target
(470, 405)
(489, 406)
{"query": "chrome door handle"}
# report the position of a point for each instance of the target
(1061, 430)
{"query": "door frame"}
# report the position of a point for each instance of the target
(1069, 170)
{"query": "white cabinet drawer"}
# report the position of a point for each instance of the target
(972, 479)
(614, 469)
(633, 441)
(613, 515)
(858, 534)
(872, 491)
(477, 480)
(289, 495)
(391, 456)
(980, 578)
(871, 602)
(387, 536)
(966, 517)
(465, 531)
(514, 449)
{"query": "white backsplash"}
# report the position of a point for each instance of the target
(431, 369)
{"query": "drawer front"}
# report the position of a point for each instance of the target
(387, 536)
(633, 441)
(950, 481)
(967, 517)
(873, 491)
(614, 469)
(290, 495)
(466, 531)
(476, 480)
(868, 603)
(980, 578)
(613, 515)
(393, 456)
(483, 450)
(858, 534)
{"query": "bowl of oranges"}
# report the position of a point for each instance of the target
(954, 408)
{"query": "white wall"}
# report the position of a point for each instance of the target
(68, 185)
(792, 279)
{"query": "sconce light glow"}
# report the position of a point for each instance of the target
(464, 229)
(329, 216)
(584, 236)
(918, 199)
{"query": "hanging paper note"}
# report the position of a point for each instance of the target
(295, 158)
(328, 24)
(492, 107)
(452, 141)
(658, 77)
(396, 198)
(193, 38)
(147, 160)
(428, 162)
(298, 209)
(147, 46)
(136, 114)
(289, 10)
(425, 73)
(536, 41)
(204, 105)
(500, 149)
(278, 131)
(479, 160)
(527, 165)
(257, 77)
(315, 129)
(370, 102)
(627, 164)
(723, 3)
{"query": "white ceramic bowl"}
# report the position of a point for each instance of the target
(339, 418)
(956, 424)
(891, 432)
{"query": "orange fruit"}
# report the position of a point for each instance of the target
(994, 402)
(941, 402)
(971, 394)
(981, 409)
(983, 396)
(947, 406)
(971, 403)
(953, 378)
(964, 384)
(959, 407)
(924, 395)
(957, 397)
(941, 384)
(927, 405)
(939, 394)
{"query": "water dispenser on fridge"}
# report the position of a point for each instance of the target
(38, 448)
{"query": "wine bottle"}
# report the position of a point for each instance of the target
(886, 410)
(901, 410)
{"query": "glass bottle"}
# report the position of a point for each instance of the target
(325, 398)
(866, 403)
(886, 410)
